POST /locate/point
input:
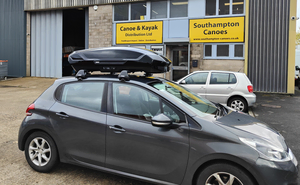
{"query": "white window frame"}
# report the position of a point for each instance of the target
(230, 10)
(231, 51)
(148, 13)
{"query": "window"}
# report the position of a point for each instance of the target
(121, 12)
(224, 7)
(222, 78)
(138, 11)
(208, 50)
(224, 51)
(86, 95)
(238, 6)
(134, 102)
(178, 8)
(210, 7)
(173, 113)
(198, 78)
(239, 50)
(159, 9)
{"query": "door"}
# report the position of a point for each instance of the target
(46, 44)
(196, 82)
(220, 86)
(79, 122)
(134, 146)
(180, 64)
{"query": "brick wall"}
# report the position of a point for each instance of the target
(100, 26)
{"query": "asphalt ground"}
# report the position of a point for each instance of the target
(280, 111)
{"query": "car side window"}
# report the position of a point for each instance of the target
(222, 78)
(135, 102)
(173, 113)
(86, 95)
(197, 78)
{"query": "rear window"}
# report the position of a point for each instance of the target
(222, 78)
(86, 95)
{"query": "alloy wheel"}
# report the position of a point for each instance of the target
(39, 151)
(223, 178)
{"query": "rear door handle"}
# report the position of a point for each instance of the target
(62, 115)
(117, 128)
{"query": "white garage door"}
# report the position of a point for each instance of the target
(46, 44)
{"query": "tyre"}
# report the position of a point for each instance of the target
(40, 152)
(238, 103)
(223, 173)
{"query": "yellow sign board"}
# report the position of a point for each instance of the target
(229, 29)
(139, 33)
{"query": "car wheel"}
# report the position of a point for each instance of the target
(223, 173)
(238, 104)
(40, 152)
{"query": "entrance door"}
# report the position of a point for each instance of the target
(180, 61)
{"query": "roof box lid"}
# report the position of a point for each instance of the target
(116, 59)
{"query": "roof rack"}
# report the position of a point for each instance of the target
(82, 74)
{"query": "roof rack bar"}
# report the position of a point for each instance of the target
(82, 74)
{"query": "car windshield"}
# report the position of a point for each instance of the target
(187, 96)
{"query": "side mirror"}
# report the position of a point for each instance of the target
(297, 68)
(161, 120)
(183, 82)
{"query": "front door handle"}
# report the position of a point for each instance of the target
(62, 115)
(117, 128)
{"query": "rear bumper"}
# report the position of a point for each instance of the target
(251, 99)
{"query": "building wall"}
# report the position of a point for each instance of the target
(13, 36)
(100, 26)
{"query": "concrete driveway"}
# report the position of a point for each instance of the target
(15, 96)
(280, 111)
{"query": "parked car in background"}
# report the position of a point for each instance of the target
(233, 89)
(297, 78)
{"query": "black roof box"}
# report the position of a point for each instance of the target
(116, 59)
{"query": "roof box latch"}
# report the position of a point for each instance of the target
(123, 76)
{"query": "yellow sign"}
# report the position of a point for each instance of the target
(139, 33)
(229, 29)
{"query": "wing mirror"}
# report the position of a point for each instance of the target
(183, 82)
(161, 120)
(297, 68)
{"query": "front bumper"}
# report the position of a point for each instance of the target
(277, 173)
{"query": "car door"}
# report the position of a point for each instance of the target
(196, 82)
(220, 86)
(80, 122)
(134, 146)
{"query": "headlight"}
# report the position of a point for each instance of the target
(267, 150)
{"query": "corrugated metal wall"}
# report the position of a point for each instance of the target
(51, 4)
(46, 44)
(268, 45)
(13, 36)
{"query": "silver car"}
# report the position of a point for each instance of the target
(226, 87)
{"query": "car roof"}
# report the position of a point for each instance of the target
(217, 71)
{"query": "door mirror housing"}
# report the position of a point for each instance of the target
(161, 120)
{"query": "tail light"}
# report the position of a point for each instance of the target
(250, 88)
(30, 107)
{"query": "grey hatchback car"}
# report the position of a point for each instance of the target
(150, 129)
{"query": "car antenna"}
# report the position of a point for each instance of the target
(123, 76)
(240, 69)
